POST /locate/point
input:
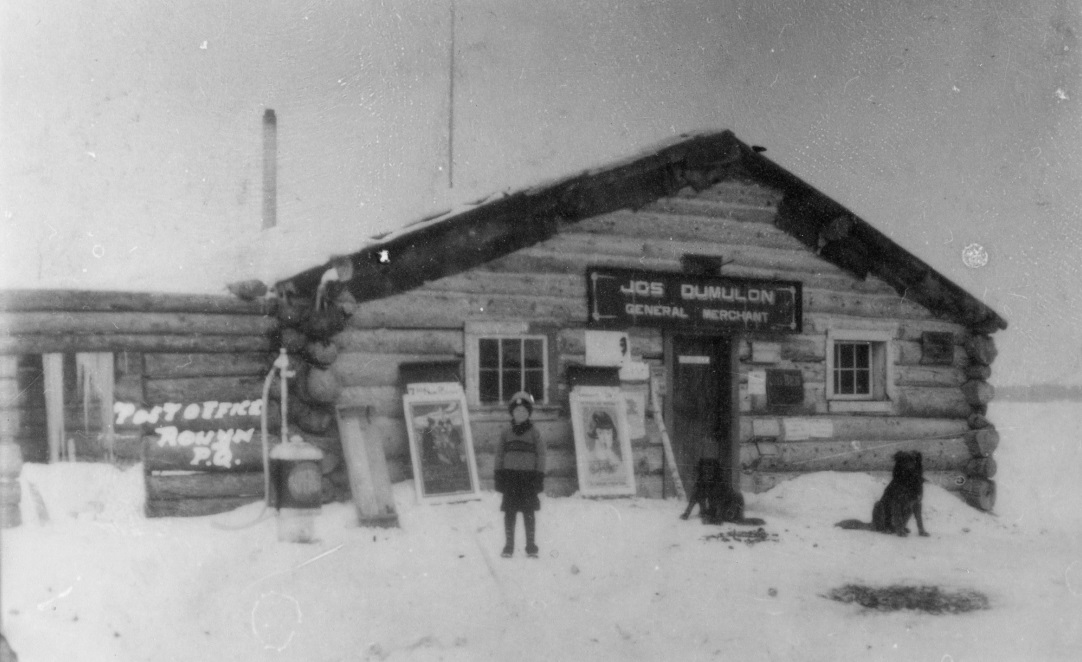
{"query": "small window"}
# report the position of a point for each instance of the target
(859, 370)
(853, 369)
(507, 365)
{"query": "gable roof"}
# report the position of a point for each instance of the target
(455, 242)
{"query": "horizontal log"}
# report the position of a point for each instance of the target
(207, 455)
(733, 191)
(881, 428)
(401, 341)
(815, 455)
(980, 493)
(939, 376)
(371, 369)
(982, 349)
(421, 309)
(978, 421)
(977, 371)
(121, 342)
(192, 364)
(977, 392)
(196, 507)
(981, 467)
(928, 402)
(100, 301)
(910, 353)
(92, 323)
(696, 207)
(982, 442)
(564, 270)
(558, 256)
(661, 226)
(910, 330)
(201, 389)
(203, 485)
(760, 481)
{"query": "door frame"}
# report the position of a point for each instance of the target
(734, 340)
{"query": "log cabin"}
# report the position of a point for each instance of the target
(758, 321)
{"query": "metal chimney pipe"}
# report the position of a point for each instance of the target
(270, 169)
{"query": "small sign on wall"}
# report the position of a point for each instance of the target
(607, 348)
(784, 387)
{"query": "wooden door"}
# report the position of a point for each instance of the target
(701, 408)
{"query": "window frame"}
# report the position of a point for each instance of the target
(881, 395)
(499, 332)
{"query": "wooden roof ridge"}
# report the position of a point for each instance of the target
(452, 242)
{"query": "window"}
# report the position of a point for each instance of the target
(509, 365)
(67, 408)
(503, 358)
(853, 369)
(859, 370)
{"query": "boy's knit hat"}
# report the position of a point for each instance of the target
(521, 398)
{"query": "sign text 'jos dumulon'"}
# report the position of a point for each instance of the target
(629, 297)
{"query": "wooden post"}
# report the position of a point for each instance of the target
(53, 368)
(670, 459)
(368, 477)
(11, 458)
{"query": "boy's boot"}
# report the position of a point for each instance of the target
(530, 524)
(509, 534)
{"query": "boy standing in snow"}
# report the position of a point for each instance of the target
(520, 472)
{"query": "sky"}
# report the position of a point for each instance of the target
(131, 137)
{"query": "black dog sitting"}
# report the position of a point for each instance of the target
(901, 499)
(718, 501)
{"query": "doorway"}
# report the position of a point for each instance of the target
(701, 411)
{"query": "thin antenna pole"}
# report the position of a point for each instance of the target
(270, 169)
(451, 107)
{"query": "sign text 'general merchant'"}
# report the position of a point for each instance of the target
(629, 297)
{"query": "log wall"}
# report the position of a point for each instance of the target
(179, 349)
(931, 408)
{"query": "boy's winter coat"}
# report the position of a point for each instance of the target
(520, 467)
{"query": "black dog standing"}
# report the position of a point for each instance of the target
(520, 472)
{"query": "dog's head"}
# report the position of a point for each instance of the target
(908, 463)
(709, 469)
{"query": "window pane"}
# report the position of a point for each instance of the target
(863, 386)
(862, 356)
(844, 355)
(534, 350)
(512, 353)
(512, 383)
(489, 353)
(847, 382)
(489, 385)
(535, 384)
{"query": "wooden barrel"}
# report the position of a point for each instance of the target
(980, 493)
(981, 467)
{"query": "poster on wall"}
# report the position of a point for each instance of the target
(441, 448)
(602, 444)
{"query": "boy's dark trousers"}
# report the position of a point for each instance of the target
(529, 522)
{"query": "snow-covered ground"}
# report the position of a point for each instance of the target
(617, 579)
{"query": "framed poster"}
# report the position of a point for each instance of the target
(441, 448)
(602, 443)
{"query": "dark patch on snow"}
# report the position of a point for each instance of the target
(747, 537)
(929, 599)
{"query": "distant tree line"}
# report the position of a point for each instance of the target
(1040, 392)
